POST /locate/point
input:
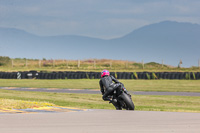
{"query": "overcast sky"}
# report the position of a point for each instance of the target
(95, 18)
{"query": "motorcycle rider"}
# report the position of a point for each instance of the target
(107, 87)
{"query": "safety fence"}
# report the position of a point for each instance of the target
(97, 75)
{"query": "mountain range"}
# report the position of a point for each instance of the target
(168, 41)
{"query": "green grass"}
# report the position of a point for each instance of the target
(131, 85)
(94, 101)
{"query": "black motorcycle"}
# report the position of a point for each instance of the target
(121, 99)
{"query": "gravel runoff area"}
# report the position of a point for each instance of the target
(89, 91)
(101, 121)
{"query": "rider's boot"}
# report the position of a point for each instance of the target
(114, 102)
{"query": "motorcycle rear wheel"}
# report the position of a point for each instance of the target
(129, 105)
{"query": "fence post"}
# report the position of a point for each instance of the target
(26, 62)
(67, 63)
(199, 63)
(39, 63)
(126, 64)
(94, 64)
(162, 63)
(180, 63)
(143, 64)
(53, 63)
(79, 63)
(12, 63)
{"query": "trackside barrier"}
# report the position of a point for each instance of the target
(97, 75)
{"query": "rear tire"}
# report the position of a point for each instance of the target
(127, 100)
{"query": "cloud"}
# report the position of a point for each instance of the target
(98, 18)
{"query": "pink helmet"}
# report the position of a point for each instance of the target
(104, 73)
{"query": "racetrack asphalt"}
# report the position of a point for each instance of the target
(90, 91)
(101, 121)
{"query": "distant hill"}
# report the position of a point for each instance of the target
(170, 41)
(19, 43)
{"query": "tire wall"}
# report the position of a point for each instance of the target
(97, 75)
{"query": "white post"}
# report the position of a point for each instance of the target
(79, 62)
(39, 62)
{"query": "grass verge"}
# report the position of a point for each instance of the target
(94, 101)
(21, 104)
(131, 85)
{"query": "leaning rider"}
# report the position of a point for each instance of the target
(107, 87)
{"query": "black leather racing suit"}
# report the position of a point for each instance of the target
(107, 86)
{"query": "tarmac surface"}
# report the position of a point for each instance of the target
(101, 121)
(90, 91)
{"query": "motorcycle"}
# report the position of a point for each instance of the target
(121, 99)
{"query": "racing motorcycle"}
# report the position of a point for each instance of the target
(122, 99)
